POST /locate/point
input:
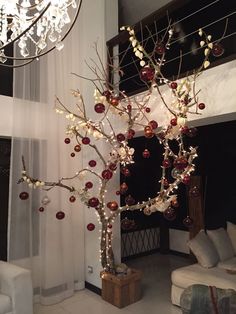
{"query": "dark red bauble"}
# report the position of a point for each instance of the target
(117, 192)
(180, 163)
(72, 199)
(89, 185)
(130, 134)
(201, 106)
(173, 121)
(166, 163)
(186, 179)
(67, 140)
(72, 154)
(114, 101)
(188, 222)
(169, 214)
(125, 171)
(184, 130)
(217, 50)
(194, 192)
(148, 132)
(107, 94)
(41, 209)
(153, 124)
(112, 166)
(113, 206)
(191, 132)
(90, 226)
(85, 140)
(92, 163)
(147, 109)
(93, 202)
(160, 48)
(77, 148)
(129, 200)
(99, 108)
(107, 174)
(146, 153)
(165, 183)
(123, 188)
(147, 74)
(109, 226)
(60, 215)
(129, 108)
(173, 85)
(175, 203)
(120, 137)
(24, 196)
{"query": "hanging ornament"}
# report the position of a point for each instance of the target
(99, 108)
(123, 188)
(186, 179)
(130, 134)
(125, 171)
(114, 101)
(90, 226)
(107, 174)
(72, 154)
(165, 183)
(147, 211)
(201, 106)
(127, 224)
(147, 109)
(129, 108)
(148, 132)
(45, 200)
(175, 203)
(85, 140)
(217, 50)
(175, 173)
(41, 209)
(120, 137)
(147, 74)
(24, 196)
(194, 192)
(166, 163)
(77, 148)
(146, 153)
(191, 132)
(92, 163)
(72, 199)
(89, 185)
(173, 121)
(153, 124)
(67, 140)
(109, 226)
(129, 200)
(60, 215)
(160, 48)
(112, 166)
(184, 130)
(173, 85)
(188, 222)
(113, 206)
(180, 163)
(169, 214)
(93, 202)
(107, 94)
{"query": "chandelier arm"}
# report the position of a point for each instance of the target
(27, 29)
(30, 7)
(18, 65)
(51, 49)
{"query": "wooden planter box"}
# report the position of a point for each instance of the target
(121, 290)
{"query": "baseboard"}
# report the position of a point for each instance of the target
(93, 288)
(127, 258)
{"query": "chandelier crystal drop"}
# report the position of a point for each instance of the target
(35, 26)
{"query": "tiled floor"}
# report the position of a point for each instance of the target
(156, 291)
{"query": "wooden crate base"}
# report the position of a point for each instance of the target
(121, 290)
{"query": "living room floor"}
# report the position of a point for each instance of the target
(156, 286)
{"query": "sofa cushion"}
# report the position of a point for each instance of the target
(5, 304)
(229, 264)
(222, 243)
(231, 230)
(204, 250)
(195, 274)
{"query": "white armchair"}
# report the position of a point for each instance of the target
(16, 293)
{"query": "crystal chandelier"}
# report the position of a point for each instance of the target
(35, 26)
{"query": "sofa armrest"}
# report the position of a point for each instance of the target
(16, 283)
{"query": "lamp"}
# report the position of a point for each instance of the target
(36, 26)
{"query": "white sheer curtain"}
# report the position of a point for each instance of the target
(53, 249)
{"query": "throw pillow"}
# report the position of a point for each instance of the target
(231, 230)
(204, 250)
(222, 243)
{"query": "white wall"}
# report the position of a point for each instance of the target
(6, 107)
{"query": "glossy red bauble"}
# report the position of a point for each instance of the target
(93, 202)
(180, 163)
(125, 171)
(129, 200)
(153, 124)
(77, 148)
(188, 222)
(41, 209)
(165, 183)
(107, 174)
(112, 166)
(123, 188)
(217, 50)
(85, 140)
(160, 48)
(166, 163)
(173, 121)
(72, 199)
(24, 196)
(186, 179)
(99, 108)
(148, 132)
(173, 85)
(109, 226)
(120, 137)
(201, 106)
(72, 154)
(194, 192)
(90, 226)
(169, 214)
(107, 94)
(92, 163)
(67, 140)
(147, 109)
(146, 153)
(147, 74)
(114, 101)
(184, 130)
(191, 132)
(113, 206)
(89, 185)
(130, 134)
(129, 108)
(60, 215)
(175, 203)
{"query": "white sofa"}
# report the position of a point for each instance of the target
(216, 255)
(16, 293)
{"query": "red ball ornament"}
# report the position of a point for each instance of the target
(89, 185)
(92, 163)
(194, 192)
(184, 130)
(109, 226)
(153, 124)
(186, 179)
(123, 188)
(166, 163)
(129, 108)
(93, 202)
(201, 106)
(99, 108)
(72, 199)
(165, 183)
(114, 101)
(77, 148)
(188, 222)
(67, 140)
(148, 133)
(160, 48)
(107, 174)
(60, 215)
(130, 134)
(113, 206)
(191, 132)
(147, 109)
(24, 196)
(41, 209)
(180, 163)
(72, 154)
(169, 214)
(173, 121)
(146, 153)
(125, 171)
(107, 94)
(90, 226)
(217, 50)
(147, 74)
(173, 85)
(129, 200)
(85, 140)
(112, 166)
(175, 203)
(120, 137)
